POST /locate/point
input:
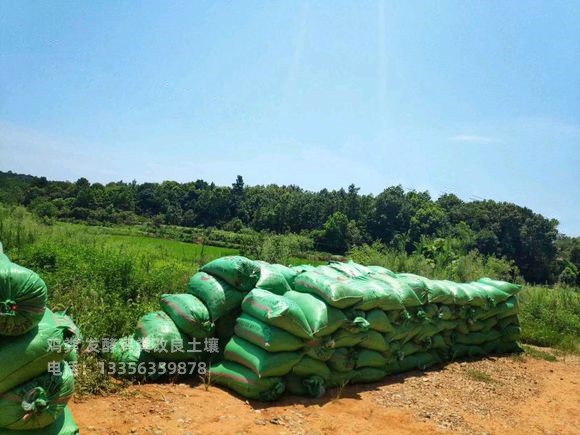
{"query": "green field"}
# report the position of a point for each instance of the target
(129, 240)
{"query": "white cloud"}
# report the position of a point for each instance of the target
(472, 138)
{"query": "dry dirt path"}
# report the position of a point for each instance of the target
(495, 395)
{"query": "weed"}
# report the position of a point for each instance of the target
(480, 376)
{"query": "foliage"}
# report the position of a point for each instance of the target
(551, 317)
(336, 220)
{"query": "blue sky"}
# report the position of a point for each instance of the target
(478, 98)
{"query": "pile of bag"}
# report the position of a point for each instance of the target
(303, 329)
(177, 331)
(36, 346)
(346, 323)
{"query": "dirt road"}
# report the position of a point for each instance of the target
(495, 395)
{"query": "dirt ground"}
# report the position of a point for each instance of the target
(512, 394)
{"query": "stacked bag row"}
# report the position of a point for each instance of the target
(209, 308)
(303, 329)
(306, 328)
(36, 347)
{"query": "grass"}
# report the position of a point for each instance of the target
(480, 376)
(550, 317)
(535, 353)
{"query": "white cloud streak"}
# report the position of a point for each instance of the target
(472, 138)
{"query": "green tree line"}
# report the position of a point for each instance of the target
(336, 220)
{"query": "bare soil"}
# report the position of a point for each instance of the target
(511, 394)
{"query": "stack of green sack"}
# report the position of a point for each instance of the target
(346, 323)
(208, 309)
(303, 329)
(36, 346)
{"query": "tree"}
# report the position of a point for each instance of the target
(390, 215)
(335, 235)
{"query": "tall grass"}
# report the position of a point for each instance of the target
(441, 264)
(106, 280)
(550, 317)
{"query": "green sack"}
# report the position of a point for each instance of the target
(409, 349)
(482, 325)
(369, 358)
(343, 360)
(504, 309)
(462, 327)
(350, 268)
(303, 268)
(132, 362)
(75, 337)
(346, 338)
(375, 341)
(339, 292)
(188, 313)
(493, 294)
(438, 342)
(288, 273)
(502, 347)
(239, 272)
(462, 350)
(511, 333)
(378, 291)
(406, 295)
(311, 367)
(261, 362)
(339, 379)
(474, 294)
(224, 326)
(367, 374)
(312, 386)
(420, 360)
(277, 311)
(320, 349)
(24, 357)
(445, 292)
(22, 299)
(272, 278)
(506, 287)
(417, 283)
(506, 321)
(266, 336)
(245, 382)
(404, 332)
(383, 271)
(160, 338)
(322, 318)
(38, 402)
(64, 425)
(356, 325)
(475, 338)
(446, 312)
(219, 297)
(379, 321)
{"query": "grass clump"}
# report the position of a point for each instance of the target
(480, 376)
(535, 353)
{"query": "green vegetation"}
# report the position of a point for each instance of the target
(532, 352)
(480, 376)
(246, 217)
(551, 317)
(110, 276)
